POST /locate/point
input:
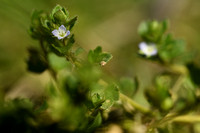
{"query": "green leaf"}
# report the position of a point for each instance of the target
(63, 50)
(143, 28)
(97, 89)
(57, 50)
(128, 86)
(152, 31)
(72, 22)
(105, 57)
(97, 95)
(111, 94)
(158, 95)
(187, 98)
(65, 12)
(104, 96)
(97, 100)
(70, 43)
(46, 24)
(97, 56)
(55, 9)
(96, 123)
(93, 56)
(90, 56)
(89, 74)
(37, 30)
(98, 50)
(57, 62)
(165, 25)
(60, 51)
(171, 49)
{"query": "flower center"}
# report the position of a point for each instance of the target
(150, 49)
(62, 33)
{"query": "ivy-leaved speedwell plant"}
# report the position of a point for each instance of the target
(82, 98)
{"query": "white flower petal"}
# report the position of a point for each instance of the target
(62, 28)
(68, 32)
(55, 33)
(142, 45)
(154, 52)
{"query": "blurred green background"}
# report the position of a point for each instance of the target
(109, 23)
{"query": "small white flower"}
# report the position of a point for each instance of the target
(61, 32)
(148, 49)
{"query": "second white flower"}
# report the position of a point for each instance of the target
(148, 49)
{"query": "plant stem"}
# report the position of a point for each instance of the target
(177, 86)
(172, 117)
(43, 49)
(52, 72)
(63, 42)
(187, 119)
(137, 106)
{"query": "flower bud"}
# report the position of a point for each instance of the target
(155, 26)
(60, 15)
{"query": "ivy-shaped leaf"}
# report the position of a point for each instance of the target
(97, 56)
(111, 94)
(171, 49)
(104, 96)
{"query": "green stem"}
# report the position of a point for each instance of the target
(172, 117)
(187, 119)
(45, 53)
(63, 42)
(53, 73)
(177, 86)
(43, 49)
(137, 106)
